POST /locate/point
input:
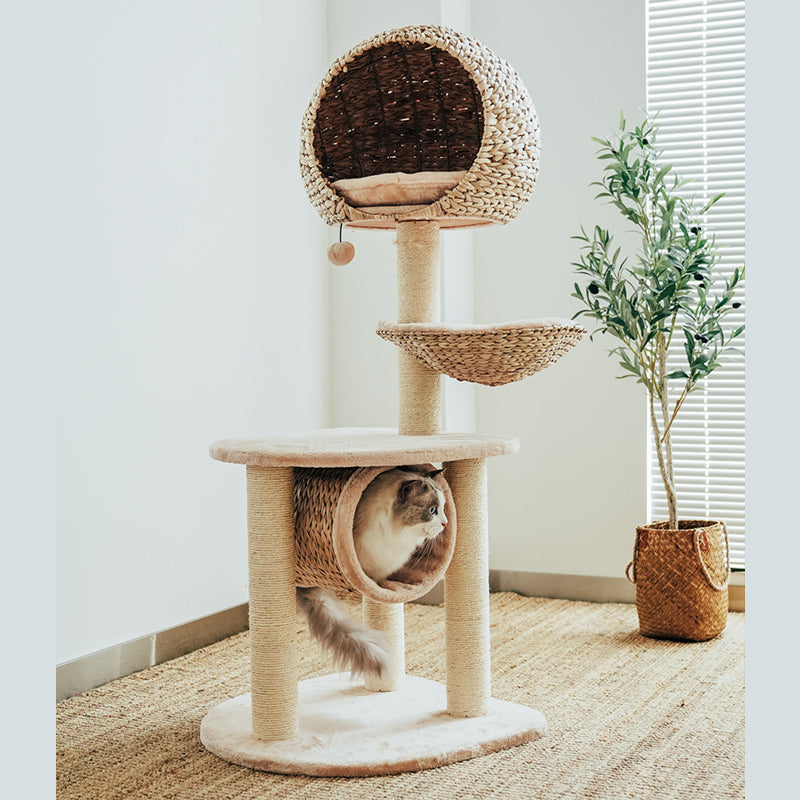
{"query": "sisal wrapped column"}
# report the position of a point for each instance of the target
(466, 594)
(273, 635)
(418, 300)
(388, 618)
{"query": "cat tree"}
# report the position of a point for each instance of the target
(415, 129)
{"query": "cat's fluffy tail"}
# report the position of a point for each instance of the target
(352, 646)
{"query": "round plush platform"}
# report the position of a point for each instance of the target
(346, 730)
(359, 447)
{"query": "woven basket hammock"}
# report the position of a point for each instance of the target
(420, 99)
(681, 579)
(325, 502)
(490, 355)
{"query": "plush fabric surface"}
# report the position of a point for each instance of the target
(359, 447)
(541, 322)
(346, 730)
(397, 189)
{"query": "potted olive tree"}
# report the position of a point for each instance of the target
(668, 292)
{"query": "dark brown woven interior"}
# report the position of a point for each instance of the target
(398, 107)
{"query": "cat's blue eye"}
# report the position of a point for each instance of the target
(433, 510)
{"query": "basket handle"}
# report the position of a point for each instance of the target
(718, 586)
(640, 540)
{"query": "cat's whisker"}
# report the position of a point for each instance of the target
(423, 549)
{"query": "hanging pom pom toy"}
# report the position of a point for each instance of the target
(341, 253)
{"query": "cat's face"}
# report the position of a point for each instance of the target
(420, 504)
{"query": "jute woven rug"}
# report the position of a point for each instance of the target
(628, 717)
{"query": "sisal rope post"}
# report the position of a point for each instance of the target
(418, 300)
(466, 594)
(390, 620)
(273, 634)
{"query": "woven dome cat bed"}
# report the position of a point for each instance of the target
(419, 123)
(325, 502)
(492, 355)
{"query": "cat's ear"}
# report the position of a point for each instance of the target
(435, 472)
(409, 489)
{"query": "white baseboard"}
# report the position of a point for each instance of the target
(591, 588)
(96, 669)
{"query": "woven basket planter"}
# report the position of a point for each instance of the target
(422, 99)
(325, 506)
(681, 579)
(492, 355)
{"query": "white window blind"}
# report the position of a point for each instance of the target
(695, 82)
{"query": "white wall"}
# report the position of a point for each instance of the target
(569, 501)
(191, 292)
(193, 300)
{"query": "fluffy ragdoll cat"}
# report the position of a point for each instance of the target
(400, 511)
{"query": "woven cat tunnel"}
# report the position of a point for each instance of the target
(325, 502)
(419, 123)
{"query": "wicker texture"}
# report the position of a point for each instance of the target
(681, 579)
(316, 494)
(431, 120)
(489, 355)
(325, 502)
(422, 98)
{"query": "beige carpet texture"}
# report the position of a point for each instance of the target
(627, 716)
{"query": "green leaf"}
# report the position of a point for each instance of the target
(653, 294)
(712, 202)
(661, 173)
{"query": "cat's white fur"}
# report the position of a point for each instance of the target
(382, 544)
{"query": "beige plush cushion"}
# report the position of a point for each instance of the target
(397, 188)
